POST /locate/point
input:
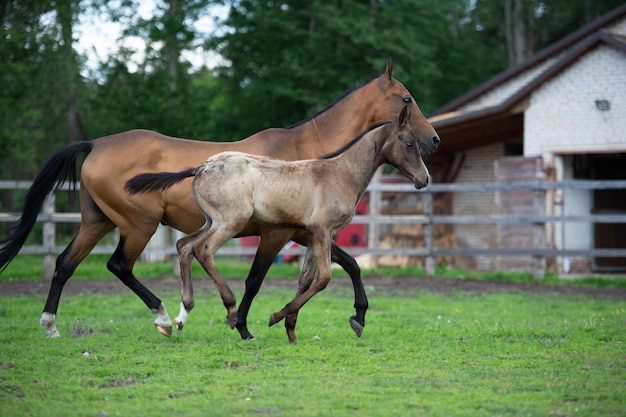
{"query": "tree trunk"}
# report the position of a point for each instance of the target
(75, 132)
(172, 46)
(65, 16)
(515, 31)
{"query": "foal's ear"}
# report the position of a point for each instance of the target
(405, 115)
(389, 70)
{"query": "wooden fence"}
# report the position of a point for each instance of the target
(374, 219)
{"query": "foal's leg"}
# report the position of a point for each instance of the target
(304, 283)
(320, 243)
(361, 304)
(184, 247)
(204, 249)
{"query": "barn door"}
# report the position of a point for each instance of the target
(516, 202)
(609, 235)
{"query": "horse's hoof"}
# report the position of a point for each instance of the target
(273, 320)
(231, 323)
(164, 330)
(356, 326)
(179, 325)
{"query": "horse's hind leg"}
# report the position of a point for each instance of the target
(361, 304)
(121, 264)
(88, 235)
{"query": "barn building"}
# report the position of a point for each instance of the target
(561, 115)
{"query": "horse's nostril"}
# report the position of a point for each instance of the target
(436, 140)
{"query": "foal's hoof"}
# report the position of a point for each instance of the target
(164, 330)
(356, 326)
(231, 323)
(273, 320)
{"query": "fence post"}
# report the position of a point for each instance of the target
(374, 211)
(539, 229)
(48, 238)
(429, 260)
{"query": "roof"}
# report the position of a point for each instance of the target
(504, 94)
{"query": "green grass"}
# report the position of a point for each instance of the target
(94, 266)
(421, 354)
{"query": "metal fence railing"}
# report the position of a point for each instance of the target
(374, 219)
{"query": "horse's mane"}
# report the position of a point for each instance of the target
(337, 100)
(353, 141)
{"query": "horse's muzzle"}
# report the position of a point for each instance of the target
(423, 182)
(430, 145)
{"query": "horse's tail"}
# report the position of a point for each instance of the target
(60, 168)
(149, 182)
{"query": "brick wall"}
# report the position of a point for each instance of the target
(478, 167)
(562, 116)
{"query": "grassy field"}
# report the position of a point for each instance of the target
(29, 268)
(421, 354)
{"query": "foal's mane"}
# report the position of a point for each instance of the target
(337, 100)
(353, 141)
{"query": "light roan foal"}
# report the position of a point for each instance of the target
(318, 196)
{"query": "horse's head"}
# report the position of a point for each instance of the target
(402, 149)
(395, 97)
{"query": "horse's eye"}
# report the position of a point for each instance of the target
(406, 100)
(409, 144)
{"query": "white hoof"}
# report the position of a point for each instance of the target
(163, 322)
(48, 322)
(182, 318)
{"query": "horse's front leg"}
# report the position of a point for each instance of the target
(304, 283)
(320, 243)
(272, 241)
(348, 263)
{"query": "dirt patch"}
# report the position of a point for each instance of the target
(394, 285)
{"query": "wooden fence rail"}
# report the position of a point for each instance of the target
(49, 217)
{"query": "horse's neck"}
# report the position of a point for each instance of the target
(338, 125)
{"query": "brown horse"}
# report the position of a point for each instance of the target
(110, 161)
(317, 196)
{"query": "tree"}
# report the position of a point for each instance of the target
(527, 26)
(286, 60)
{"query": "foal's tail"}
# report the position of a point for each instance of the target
(149, 182)
(61, 167)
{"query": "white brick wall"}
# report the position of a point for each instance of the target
(562, 116)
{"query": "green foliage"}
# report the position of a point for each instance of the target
(285, 61)
(423, 354)
(282, 62)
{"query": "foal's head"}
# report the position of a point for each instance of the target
(395, 97)
(402, 149)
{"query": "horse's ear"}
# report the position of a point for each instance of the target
(389, 70)
(405, 115)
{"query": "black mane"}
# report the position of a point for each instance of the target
(353, 141)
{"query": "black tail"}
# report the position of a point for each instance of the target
(61, 167)
(145, 183)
